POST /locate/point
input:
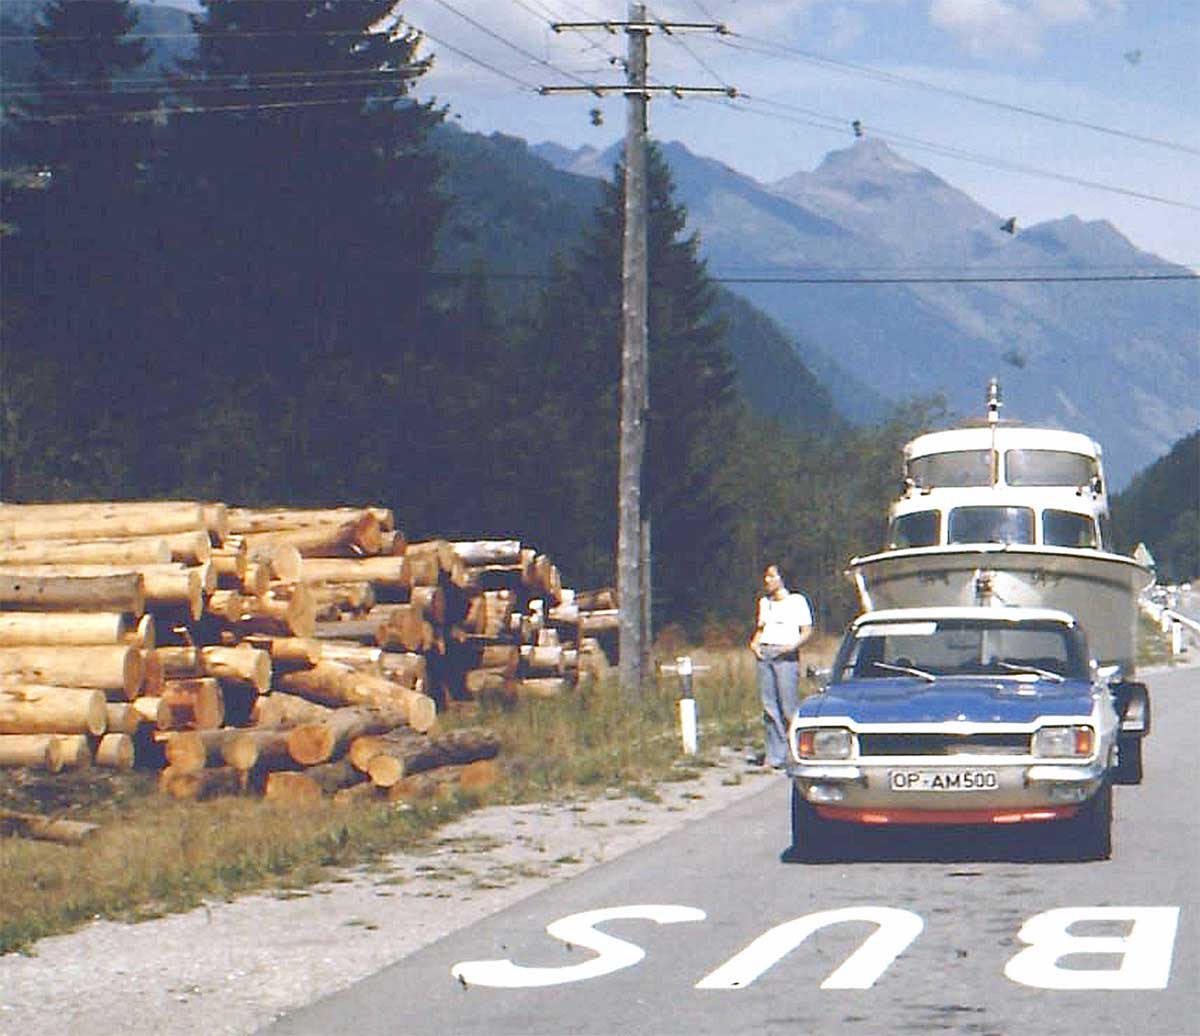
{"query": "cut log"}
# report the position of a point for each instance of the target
(358, 537)
(541, 660)
(472, 778)
(46, 829)
(242, 664)
(389, 575)
(334, 776)
(279, 709)
(420, 752)
(184, 750)
(407, 668)
(37, 751)
(538, 687)
(41, 709)
(403, 629)
(230, 747)
(230, 562)
(256, 580)
(119, 593)
(319, 742)
(163, 586)
(143, 635)
(202, 784)
(101, 525)
(599, 621)
(288, 652)
(332, 599)
(488, 552)
(193, 704)
(76, 751)
(118, 669)
(353, 655)
(150, 711)
(596, 600)
(148, 550)
(115, 752)
(270, 747)
(178, 663)
(290, 616)
(291, 787)
(126, 717)
(277, 519)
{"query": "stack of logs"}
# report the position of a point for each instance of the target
(291, 652)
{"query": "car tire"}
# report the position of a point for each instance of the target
(1129, 761)
(813, 839)
(1090, 832)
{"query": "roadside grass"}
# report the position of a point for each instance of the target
(153, 855)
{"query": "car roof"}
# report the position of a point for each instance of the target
(993, 614)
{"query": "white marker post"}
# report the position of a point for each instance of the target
(689, 728)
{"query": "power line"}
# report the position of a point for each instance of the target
(834, 124)
(774, 49)
(815, 280)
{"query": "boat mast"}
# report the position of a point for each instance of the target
(993, 418)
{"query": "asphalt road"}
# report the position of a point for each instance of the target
(711, 931)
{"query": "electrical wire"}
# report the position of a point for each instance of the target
(772, 48)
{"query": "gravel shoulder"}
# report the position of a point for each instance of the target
(232, 967)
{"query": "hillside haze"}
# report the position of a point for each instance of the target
(1115, 359)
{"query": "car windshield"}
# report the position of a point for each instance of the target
(960, 647)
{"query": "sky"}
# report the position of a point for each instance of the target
(1038, 109)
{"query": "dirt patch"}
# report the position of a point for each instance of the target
(230, 968)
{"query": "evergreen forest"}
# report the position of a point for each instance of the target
(249, 278)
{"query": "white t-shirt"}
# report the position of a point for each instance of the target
(781, 621)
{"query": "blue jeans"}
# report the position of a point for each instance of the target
(779, 688)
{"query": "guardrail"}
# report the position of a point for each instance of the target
(1175, 624)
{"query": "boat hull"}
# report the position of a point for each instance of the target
(1100, 589)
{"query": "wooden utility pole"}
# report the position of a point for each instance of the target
(633, 529)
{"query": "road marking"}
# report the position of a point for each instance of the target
(576, 930)
(1145, 952)
(895, 932)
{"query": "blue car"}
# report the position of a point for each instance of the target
(964, 716)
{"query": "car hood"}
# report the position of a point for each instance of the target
(949, 699)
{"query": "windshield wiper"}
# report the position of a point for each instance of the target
(1045, 674)
(908, 670)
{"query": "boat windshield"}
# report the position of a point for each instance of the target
(919, 529)
(1048, 468)
(1068, 529)
(957, 468)
(961, 647)
(990, 525)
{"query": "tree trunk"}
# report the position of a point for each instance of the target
(488, 552)
(194, 704)
(389, 575)
(46, 829)
(335, 776)
(249, 519)
(288, 652)
(77, 751)
(147, 550)
(354, 538)
(293, 616)
(202, 784)
(100, 522)
(120, 593)
(115, 752)
(318, 742)
(288, 786)
(163, 586)
(118, 669)
(39, 709)
(38, 751)
(242, 664)
(281, 709)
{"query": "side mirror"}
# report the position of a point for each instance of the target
(819, 673)
(1106, 674)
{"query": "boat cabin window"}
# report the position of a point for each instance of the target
(1048, 468)
(1068, 529)
(990, 525)
(919, 529)
(959, 468)
(941, 647)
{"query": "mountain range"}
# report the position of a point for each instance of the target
(1117, 359)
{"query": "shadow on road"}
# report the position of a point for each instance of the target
(927, 844)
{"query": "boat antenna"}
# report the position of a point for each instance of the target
(993, 418)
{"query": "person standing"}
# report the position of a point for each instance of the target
(784, 624)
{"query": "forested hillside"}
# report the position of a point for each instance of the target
(1161, 508)
(247, 286)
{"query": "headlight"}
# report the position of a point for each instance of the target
(1064, 742)
(824, 743)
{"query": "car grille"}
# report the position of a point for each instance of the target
(943, 744)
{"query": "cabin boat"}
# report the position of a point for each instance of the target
(999, 513)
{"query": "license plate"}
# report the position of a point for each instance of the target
(944, 780)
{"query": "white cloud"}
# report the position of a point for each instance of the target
(848, 27)
(995, 26)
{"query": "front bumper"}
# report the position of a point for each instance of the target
(1024, 790)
